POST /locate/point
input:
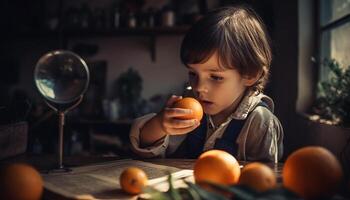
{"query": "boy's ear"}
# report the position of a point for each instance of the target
(251, 80)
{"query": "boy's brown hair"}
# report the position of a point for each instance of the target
(240, 38)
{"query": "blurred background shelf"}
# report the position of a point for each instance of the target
(176, 30)
(65, 35)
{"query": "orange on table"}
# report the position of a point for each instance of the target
(216, 166)
(190, 103)
(258, 176)
(312, 172)
(132, 180)
(20, 182)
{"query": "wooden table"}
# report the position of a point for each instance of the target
(188, 164)
(44, 162)
(95, 163)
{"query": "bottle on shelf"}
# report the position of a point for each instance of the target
(168, 17)
(115, 16)
(131, 20)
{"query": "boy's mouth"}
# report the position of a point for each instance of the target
(206, 103)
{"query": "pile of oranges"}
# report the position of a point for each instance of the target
(220, 167)
(310, 172)
(214, 166)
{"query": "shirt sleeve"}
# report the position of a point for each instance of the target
(265, 138)
(157, 149)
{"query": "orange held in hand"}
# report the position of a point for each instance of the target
(190, 103)
(258, 177)
(312, 172)
(132, 180)
(216, 166)
(20, 182)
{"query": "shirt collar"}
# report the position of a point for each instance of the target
(240, 113)
(248, 104)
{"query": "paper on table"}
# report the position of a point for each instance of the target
(101, 181)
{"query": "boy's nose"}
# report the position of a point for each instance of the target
(200, 87)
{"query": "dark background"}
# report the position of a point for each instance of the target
(31, 28)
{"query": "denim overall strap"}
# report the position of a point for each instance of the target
(196, 139)
(227, 141)
(193, 144)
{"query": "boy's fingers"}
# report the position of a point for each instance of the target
(172, 99)
(177, 112)
(179, 124)
(182, 131)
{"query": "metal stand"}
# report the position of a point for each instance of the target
(61, 117)
(60, 139)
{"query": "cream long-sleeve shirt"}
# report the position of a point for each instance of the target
(261, 137)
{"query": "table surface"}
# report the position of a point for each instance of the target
(188, 164)
(45, 162)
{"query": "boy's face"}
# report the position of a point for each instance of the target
(217, 89)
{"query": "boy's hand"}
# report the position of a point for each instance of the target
(169, 121)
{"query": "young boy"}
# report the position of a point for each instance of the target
(228, 57)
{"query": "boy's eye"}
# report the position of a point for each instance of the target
(216, 78)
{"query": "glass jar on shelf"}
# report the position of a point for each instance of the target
(131, 20)
(168, 17)
(116, 15)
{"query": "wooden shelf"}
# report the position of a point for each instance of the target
(179, 30)
(129, 32)
(65, 35)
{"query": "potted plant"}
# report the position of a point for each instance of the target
(332, 104)
(128, 88)
(329, 122)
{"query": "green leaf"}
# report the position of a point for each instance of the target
(204, 194)
(333, 94)
(240, 192)
(155, 194)
(173, 193)
(189, 194)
